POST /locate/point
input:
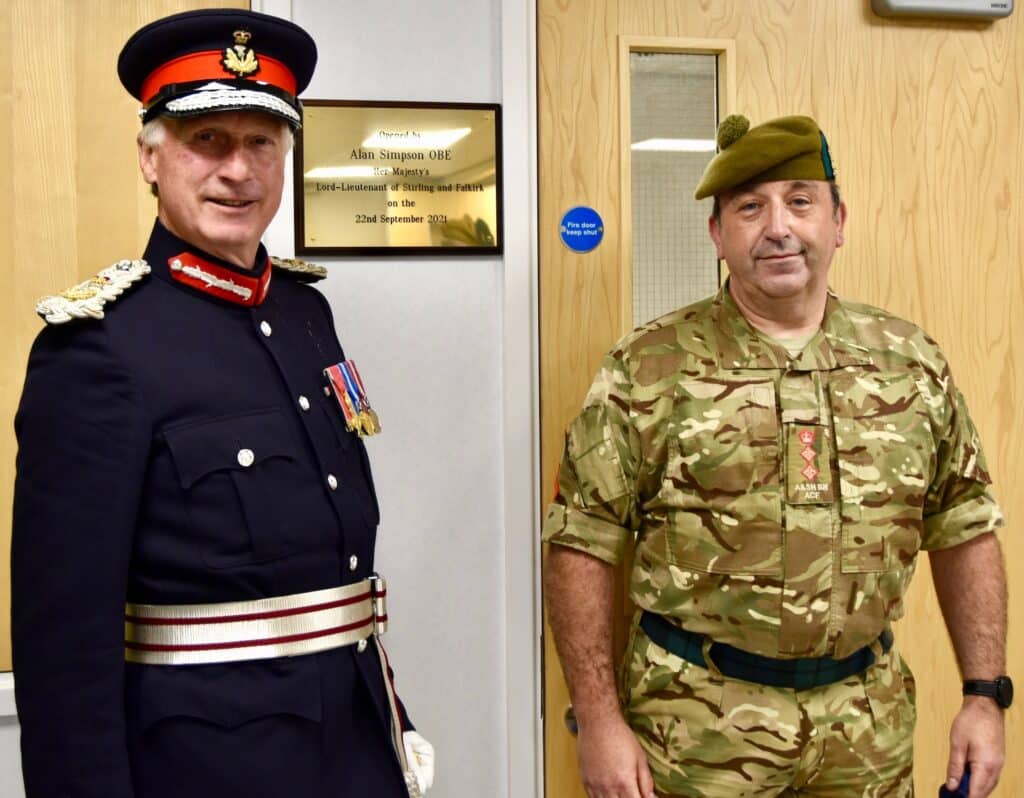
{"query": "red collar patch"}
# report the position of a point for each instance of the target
(218, 281)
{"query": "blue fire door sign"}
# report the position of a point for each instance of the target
(581, 229)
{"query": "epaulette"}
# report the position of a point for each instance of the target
(86, 300)
(300, 269)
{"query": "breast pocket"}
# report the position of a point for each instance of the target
(721, 484)
(886, 455)
(239, 475)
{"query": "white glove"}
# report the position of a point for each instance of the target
(420, 756)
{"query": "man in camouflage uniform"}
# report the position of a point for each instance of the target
(776, 457)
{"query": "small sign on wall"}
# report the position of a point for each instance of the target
(581, 229)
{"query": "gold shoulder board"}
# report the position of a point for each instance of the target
(300, 269)
(86, 300)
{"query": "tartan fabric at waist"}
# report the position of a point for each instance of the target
(798, 674)
(278, 626)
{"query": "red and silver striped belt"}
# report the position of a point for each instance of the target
(282, 626)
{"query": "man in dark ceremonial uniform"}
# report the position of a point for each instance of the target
(195, 610)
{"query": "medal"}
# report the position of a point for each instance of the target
(347, 387)
(336, 382)
(369, 418)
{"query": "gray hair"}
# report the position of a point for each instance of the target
(154, 132)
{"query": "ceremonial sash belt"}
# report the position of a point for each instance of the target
(282, 626)
(798, 674)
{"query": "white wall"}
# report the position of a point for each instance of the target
(11, 785)
(447, 348)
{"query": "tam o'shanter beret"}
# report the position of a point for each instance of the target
(787, 148)
(212, 60)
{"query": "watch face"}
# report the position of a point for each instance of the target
(1004, 691)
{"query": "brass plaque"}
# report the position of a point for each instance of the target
(398, 178)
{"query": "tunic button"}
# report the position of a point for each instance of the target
(353, 562)
(332, 482)
(327, 391)
(303, 403)
(265, 328)
(245, 457)
(361, 646)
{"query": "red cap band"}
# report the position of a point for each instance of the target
(208, 65)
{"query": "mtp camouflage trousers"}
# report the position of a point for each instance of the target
(715, 737)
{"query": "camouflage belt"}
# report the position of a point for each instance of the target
(798, 674)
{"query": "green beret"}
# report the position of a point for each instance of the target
(787, 148)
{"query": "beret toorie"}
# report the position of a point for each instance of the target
(787, 148)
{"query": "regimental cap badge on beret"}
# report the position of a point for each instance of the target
(787, 148)
(218, 60)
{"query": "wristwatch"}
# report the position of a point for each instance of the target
(1000, 689)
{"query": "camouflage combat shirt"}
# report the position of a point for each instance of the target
(775, 503)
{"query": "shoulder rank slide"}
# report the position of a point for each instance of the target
(300, 269)
(86, 300)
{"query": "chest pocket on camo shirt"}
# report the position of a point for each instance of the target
(721, 484)
(235, 472)
(886, 457)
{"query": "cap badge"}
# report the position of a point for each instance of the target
(241, 60)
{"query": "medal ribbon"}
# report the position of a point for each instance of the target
(371, 423)
(351, 385)
(336, 380)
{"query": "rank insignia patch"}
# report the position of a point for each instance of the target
(808, 479)
(241, 60)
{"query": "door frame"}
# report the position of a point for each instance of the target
(521, 405)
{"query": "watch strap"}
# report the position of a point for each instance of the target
(999, 689)
(980, 687)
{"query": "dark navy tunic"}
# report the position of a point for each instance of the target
(129, 488)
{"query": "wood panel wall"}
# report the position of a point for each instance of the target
(925, 122)
(71, 198)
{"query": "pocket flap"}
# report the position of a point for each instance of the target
(230, 442)
(227, 695)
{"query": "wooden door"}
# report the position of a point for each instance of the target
(923, 121)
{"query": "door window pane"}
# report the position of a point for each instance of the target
(674, 114)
